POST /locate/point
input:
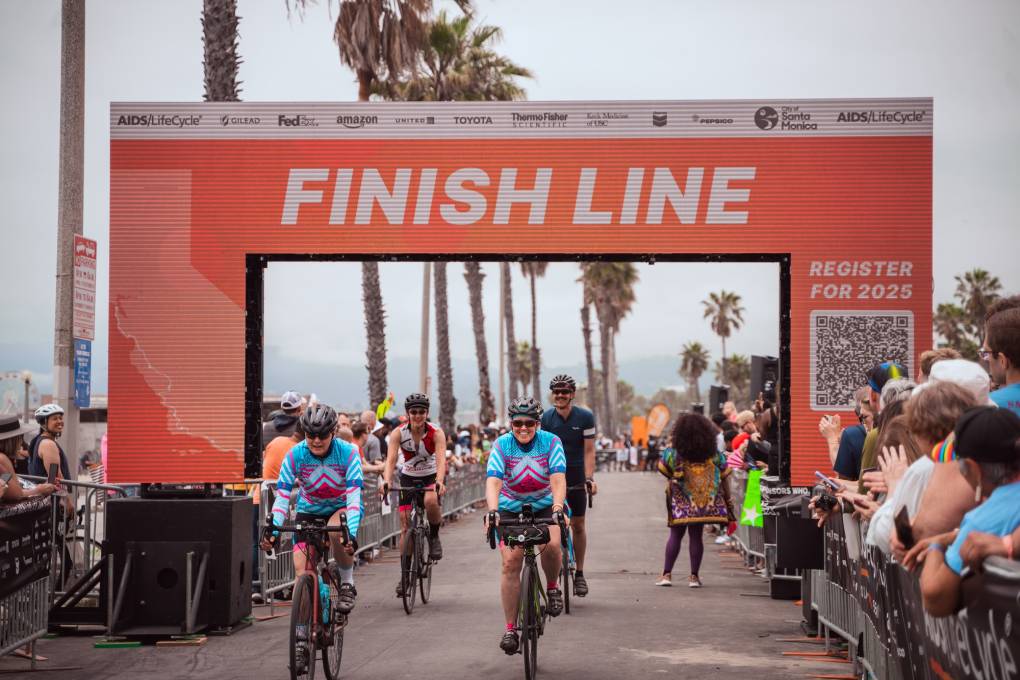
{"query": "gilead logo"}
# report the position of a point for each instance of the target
(471, 195)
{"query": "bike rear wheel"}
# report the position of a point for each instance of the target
(410, 579)
(333, 653)
(529, 620)
(302, 616)
(425, 567)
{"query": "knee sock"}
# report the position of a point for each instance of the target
(346, 574)
(676, 537)
(696, 547)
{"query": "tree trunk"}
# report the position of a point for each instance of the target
(593, 383)
(219, 38)
(375, 332)
(447, 402)
(474, 276)
(511, 342)
(695, 389)
(365, 78)
(614, 383)
(602, 312)
(536, 381)
(725, 373)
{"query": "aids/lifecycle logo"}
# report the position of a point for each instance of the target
(766, 118)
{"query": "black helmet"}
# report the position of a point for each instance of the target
(416, 399)
(318, 420)
(561, 382)
(524, 406)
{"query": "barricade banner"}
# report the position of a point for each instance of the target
(24, 543)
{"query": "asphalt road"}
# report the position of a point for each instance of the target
(625, 628)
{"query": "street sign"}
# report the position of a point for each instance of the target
(84, 318)
(82, 372)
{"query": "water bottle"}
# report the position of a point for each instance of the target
(324, 599)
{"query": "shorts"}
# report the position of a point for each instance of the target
(407, 496)
(508, 521)
(577, 499)
(301, 542)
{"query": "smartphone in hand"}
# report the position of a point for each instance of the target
(827, 482)
(51, 478)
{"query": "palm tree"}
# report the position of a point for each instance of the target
(525, 369)
(534, 269)
(738, 368)
(457, 64)
(593, 383)
(474, 276)
(977, 290)
(508, 319)
(375, 332)
(219, 42)
(726, 315)
(693, 362)
(447, 401)
(612, 288)
(953, 324)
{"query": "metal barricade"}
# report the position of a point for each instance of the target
(23, 617)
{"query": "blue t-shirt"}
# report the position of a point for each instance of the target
(1008, 397)
(999, 515)
(525, 470)
(578, 426)
(326, 484)
(851, 449)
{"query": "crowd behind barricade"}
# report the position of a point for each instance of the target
(931, 468)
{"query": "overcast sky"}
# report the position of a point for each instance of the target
(965, 55)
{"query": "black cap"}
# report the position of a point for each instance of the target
(879, 375)
(987, 434)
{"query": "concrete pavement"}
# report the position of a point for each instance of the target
(625, 628)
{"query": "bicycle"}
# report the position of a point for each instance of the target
(314, 602)
(419, 578)
(532, 601)
(569, 565)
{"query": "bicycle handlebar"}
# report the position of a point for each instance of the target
(297, 527)
(520, 521)
(390, 487)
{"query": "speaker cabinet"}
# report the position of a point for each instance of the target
(160, 534)
(718, 395)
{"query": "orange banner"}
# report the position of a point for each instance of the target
(658, 418)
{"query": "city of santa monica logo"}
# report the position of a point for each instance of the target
(766, 117)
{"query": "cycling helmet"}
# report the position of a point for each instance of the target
(47, 410)
(563, 381)
(416, 399)
(318, 420)
(525, 406)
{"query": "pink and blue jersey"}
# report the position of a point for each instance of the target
(525, 470)
(325, 484)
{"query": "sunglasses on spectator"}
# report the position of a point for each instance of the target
(524, 423)
(418, 411)
(562, 393)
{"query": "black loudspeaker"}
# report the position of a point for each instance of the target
(159, 535)
(718, 395)
(764, 377)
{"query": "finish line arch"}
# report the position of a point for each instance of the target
(839, 192)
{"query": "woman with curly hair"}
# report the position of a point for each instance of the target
(695, 493)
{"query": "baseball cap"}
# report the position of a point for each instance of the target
(987, 434)
(967, 374)
(291, 400)
(879, 375)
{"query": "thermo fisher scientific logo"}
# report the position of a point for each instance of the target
(297, 120)
(160, 120)
(355, 121)
(545, 119)
(872, 117)
(787, 118)
(229, 120)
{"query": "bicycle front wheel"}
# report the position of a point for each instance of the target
(333, 652)
(565, 572)
(425, 568)
(302, 628)
(530, 585)
(410, 578)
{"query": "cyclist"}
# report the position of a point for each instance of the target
(575, 426)
(416, 443)
(44, 451)
(328, 471)
(526, 466)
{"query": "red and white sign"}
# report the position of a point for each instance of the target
(84, 319)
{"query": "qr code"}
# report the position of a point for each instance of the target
(845, 344)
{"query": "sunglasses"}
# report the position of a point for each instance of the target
(523, 423)
(417, 412)
(319, 437)
(562, 393)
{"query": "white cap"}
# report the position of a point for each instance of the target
(964, 373)
(291, 400)
(464, 433)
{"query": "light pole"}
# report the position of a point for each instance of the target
(26, 377)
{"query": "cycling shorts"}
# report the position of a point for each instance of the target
(407, 496)
(577, 499)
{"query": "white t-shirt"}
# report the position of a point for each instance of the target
(908, 494)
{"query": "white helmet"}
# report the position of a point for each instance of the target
(47, 410)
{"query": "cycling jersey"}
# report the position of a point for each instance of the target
(419, 460)
(525, 470)
(326, 484)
